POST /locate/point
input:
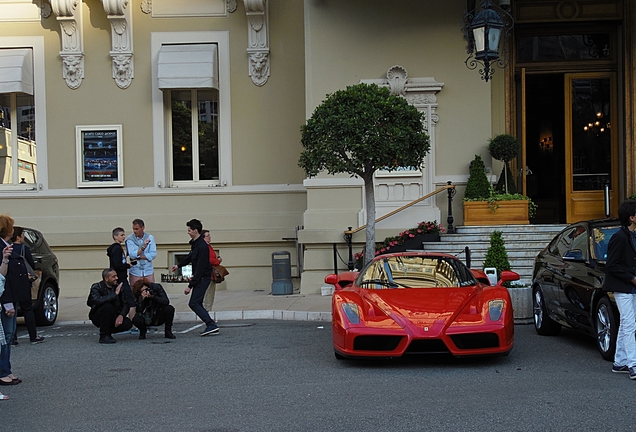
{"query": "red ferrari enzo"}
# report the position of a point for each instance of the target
(420, 303)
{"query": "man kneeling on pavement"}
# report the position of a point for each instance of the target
(109, 308)
(153, 308)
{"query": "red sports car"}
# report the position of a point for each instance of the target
(420, 303)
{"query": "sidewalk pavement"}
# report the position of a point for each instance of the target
(228, 305)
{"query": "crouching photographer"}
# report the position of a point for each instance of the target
(153, 308)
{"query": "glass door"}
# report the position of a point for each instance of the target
(591, 145)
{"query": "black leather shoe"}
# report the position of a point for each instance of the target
(108, 339)
(142, 335)
(169, 335)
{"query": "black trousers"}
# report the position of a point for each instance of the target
(104, 317)
(164, 314)
(29, 318)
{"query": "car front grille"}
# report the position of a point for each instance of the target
(376, 343)
(476, 340)
(427, 346)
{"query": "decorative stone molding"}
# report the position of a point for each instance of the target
(45, 9)
(258, 40)
(69, 15)
(146, 6)
(231, 6)
(397, 76)
(119, 15)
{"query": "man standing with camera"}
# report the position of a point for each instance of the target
(141, 247)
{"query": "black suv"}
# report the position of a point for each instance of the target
(46, 289)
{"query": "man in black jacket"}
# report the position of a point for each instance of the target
(620, 278)
(199, 257)
(108, 307)
(153, 308)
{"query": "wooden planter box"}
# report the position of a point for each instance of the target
(507, 213)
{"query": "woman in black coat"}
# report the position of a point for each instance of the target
(19, 283)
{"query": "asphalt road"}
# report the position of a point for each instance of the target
(283, 376)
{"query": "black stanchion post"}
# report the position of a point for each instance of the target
(467, 251)
(349, 238)
(451, 193)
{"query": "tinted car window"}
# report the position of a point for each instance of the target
(562, 243)
(600, 239)
(580, 242)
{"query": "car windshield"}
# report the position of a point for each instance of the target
(600, 239)
(413, 271)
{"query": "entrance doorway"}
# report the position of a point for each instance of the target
(545, 146)
(571, 150)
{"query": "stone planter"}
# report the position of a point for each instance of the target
(513, 212)
(522, 304)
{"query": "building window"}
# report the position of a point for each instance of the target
(191, 109)
(194, 135)
(17, 139)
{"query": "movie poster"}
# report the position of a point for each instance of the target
(100, 156)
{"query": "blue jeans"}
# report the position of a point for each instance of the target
(196, 301)
(625, 342)
(8, 324)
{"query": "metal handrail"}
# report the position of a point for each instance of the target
(450, 187)
(381, 218)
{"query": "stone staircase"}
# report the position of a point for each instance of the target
(523, 243)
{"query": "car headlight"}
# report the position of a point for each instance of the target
(495, 308)
(352, 312)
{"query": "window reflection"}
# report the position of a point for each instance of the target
(22, 127)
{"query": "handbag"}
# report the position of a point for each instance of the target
(33, 276)
(218, 273)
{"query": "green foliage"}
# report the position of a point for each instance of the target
(503, 147)
(632, 197)
(360, 130)
(478, 187)
(496, 256)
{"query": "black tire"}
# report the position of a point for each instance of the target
(46, 311)
(605, 328)
(543, 324)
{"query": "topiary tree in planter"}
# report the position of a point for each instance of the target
(478, 187)
(496, 256)
(359, 130)
(504, 148)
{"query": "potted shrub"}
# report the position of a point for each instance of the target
(520, 293)
(504, 148)
(493, 208)
(496, 255)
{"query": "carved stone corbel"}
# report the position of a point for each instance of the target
(258, 40)
(69, 15)
(119, 15)
(230, 5)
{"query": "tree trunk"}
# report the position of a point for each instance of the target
(369, 193)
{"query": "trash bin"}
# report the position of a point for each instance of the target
(281, 273)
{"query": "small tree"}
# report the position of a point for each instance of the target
(478, 187)
(496, 256)
(358, 131)
(504, 148)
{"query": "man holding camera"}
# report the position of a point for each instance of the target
(153, 308)
(109, 307)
